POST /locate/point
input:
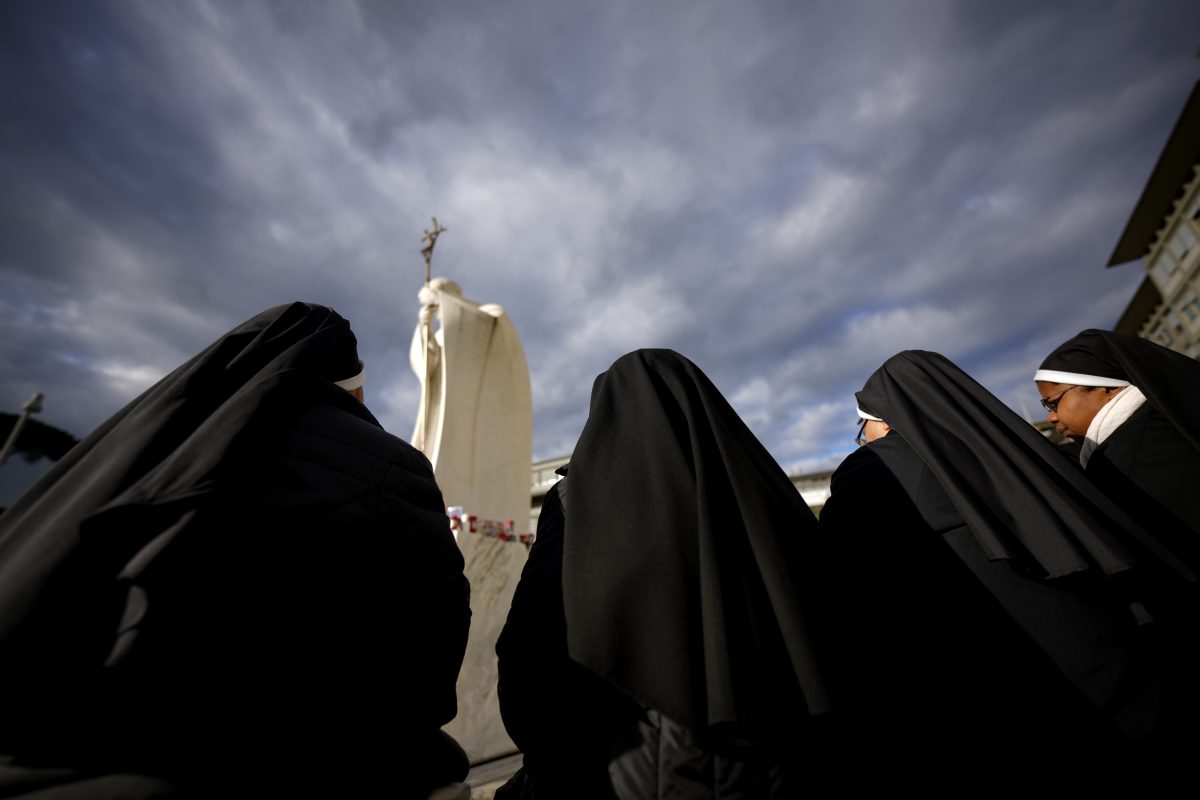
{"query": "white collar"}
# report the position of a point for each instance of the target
(353, 382)
(1110, 417)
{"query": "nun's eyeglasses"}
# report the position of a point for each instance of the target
(861, 439)
(1052, 405)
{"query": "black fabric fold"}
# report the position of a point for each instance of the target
(188, 436)
(691, 565)
(216, 583)
(1022, 500)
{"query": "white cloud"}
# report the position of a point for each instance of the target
(831, 206)
(129, 380)
(395, 403)
(813, 425)
(751, 401)
(788, 194)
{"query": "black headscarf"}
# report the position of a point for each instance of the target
(689, 565)
(1169, 380)
(174, 451)
(1022, 500)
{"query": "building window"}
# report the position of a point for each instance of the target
(1166, 267)
(1191, 308)
(1162, 335)
(1183, 242)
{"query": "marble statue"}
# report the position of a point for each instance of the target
(475, 424)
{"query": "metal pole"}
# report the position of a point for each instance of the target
(428, 243)
(31, 406)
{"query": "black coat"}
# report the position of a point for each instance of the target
(1151, 471)
(583, 738)
(239, 585)
(942, 672)
(368, 630)
(335, 673)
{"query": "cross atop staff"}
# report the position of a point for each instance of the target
(427, 312)
(428, 243)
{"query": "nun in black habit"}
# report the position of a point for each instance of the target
(238, 585)
(661, 640)
(1005, 620)
(1135, 408)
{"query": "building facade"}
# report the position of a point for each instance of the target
(1164, 233)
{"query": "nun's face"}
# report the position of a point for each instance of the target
(1074, 406)
(875, 429)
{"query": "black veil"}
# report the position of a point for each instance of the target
(119, 498)
(691, 562)
(1169, 380)
(1023, 501)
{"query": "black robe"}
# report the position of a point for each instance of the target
(950, 653)
(935, 675)
(664, 637)
(239, 585)
(569, 723)
(1151, 471)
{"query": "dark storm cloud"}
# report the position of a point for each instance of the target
(786, 194)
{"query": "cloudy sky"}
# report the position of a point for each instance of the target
(786, 192)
